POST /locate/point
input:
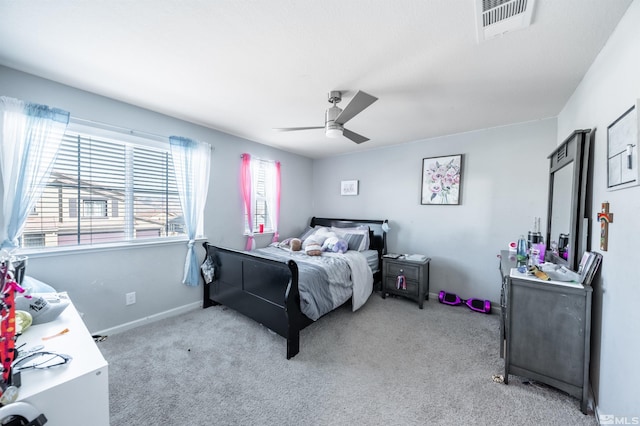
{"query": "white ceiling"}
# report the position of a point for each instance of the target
(247, 66)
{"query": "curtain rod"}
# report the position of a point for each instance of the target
(132, 132)
(111, 127)
(260, 159)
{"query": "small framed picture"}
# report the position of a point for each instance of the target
(349, 187)
(622, 150)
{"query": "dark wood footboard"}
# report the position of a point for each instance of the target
(264, 290)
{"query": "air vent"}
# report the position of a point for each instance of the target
(561, 153)
(496, 17)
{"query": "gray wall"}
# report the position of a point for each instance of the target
(612, 86)
(97, 280)
(504, 186)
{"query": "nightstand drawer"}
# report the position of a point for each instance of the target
(416, 277)
(410, 272)
(412, 287)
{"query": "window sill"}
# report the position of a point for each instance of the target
(96, 248)
(257, 234)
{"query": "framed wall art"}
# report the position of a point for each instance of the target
(349, 187)
(441, 180)
(622, 150)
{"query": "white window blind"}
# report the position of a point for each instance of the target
(103, 190)
(260, 216)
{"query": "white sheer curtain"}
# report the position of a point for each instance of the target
(30, 135)
(192, 163)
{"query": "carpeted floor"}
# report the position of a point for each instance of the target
(389, 363)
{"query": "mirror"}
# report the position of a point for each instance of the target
(561, 207)
(566, 237)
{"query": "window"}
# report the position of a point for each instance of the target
(260, 215)
(95, 208)
(263, 196)
(33, 240)
(106, 189)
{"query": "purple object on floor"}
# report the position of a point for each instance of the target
(477, 305)
(449, 298)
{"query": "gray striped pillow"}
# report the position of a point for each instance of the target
(354, 241)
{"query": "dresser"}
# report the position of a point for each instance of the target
(545, 330)
(406, 278)
(73, 394)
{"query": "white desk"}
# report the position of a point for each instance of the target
(73, 394)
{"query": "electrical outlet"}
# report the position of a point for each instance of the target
(130, 298)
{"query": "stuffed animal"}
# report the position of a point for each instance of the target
(293, 244)
(323, 239)
(313, 249)
(335, 245)
(329, 243)
(341, 246)
(313, 244)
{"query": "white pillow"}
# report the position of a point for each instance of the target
(307, 233)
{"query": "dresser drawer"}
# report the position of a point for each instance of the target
(412, 289)
(411, 272)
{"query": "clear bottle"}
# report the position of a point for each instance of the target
(521, 250)
(534, 256)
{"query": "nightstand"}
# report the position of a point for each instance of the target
(406, 278)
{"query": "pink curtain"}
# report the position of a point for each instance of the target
(276, 216)
(245, 184)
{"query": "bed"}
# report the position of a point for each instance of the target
(273, 289)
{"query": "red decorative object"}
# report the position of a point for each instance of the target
(7, 323)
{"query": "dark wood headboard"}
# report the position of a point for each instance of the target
(377, 235)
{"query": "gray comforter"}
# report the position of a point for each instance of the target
(325, 282)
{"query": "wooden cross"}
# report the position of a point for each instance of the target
(605, 218)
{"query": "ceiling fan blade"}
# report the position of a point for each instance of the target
(354, 136)
(359, 102)
(291, 129)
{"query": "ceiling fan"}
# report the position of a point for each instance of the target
(336, 117)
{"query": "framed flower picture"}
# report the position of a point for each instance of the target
(441, 180)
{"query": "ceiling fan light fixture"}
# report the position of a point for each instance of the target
(335, 117)
(333, 129)
(334, 132)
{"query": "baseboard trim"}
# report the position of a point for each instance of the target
(151, 318)
(495, 309)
